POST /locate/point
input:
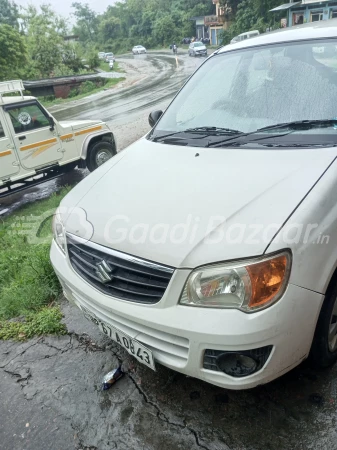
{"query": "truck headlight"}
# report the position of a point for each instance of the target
(248, 285)
(59, 232)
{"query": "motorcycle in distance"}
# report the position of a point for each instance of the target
(111, 64)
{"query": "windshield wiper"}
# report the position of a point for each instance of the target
(209, 131)
(293, 126)
(301, 125)
(217, 130)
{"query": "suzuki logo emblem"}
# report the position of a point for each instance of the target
(103, 271)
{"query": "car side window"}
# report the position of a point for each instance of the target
(2, 133)
(27, 117)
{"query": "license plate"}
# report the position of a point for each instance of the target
(135, 348)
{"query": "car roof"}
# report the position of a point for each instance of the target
(315, 30)
(17, 98)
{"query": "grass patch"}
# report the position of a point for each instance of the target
(45, 321)
(110, 82)
(28, 284)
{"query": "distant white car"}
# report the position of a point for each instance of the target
(246, 35)
(101, 55)
(138, 49)
(109, 56)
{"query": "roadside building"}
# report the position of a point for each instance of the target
(201, 30)
(296, 13)
(211, 26)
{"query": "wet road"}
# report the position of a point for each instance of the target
(163, 76)
(51, 400)
(151, 82)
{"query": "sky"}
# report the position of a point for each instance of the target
(63, 7)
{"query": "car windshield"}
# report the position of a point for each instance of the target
(198, 44)
(258, 87)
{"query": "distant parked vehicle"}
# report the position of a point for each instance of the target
(197, 49)
(101, 55)
(186, 40)
(109, 56)
(205, 41)
(246, 35)
(138, 49)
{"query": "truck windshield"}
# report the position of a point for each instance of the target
(254, 88)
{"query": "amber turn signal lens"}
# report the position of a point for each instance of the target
(267, 280)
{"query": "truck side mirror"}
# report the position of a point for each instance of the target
(154, 117)
(51, 123)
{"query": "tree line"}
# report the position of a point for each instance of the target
(33, 44)
(33, 40)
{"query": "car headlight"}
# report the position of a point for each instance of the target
(59, 232)
(249, 285)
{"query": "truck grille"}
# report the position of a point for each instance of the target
(118, 274)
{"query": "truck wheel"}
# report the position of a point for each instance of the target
(99, 153)
(324, 347)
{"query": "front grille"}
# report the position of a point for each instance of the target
(118, 274)
(260, 355)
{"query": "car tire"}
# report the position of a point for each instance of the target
(98, 154)
(323, 351)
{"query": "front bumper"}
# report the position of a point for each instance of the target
(179, 335)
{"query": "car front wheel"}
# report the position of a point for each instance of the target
(324, 347)
(98, 154)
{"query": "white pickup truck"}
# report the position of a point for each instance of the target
(34, 147)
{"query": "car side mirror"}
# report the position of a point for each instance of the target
(154, 117)
(51, 123)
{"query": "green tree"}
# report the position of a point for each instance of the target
(8, 13)
(164, 30)
(109, 28)
(86, 21)
(45, 32)
(12, 53)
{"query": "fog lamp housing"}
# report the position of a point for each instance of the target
(237, 364)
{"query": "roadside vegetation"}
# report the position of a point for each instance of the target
(85, 89)
(29, 287)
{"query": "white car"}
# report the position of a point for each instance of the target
(197, 49)
(246, 35)
(210, 245)
(109, 57)
(138, 49)
(101, 55)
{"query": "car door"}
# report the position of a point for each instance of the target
(36, 143)
(9, 164)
